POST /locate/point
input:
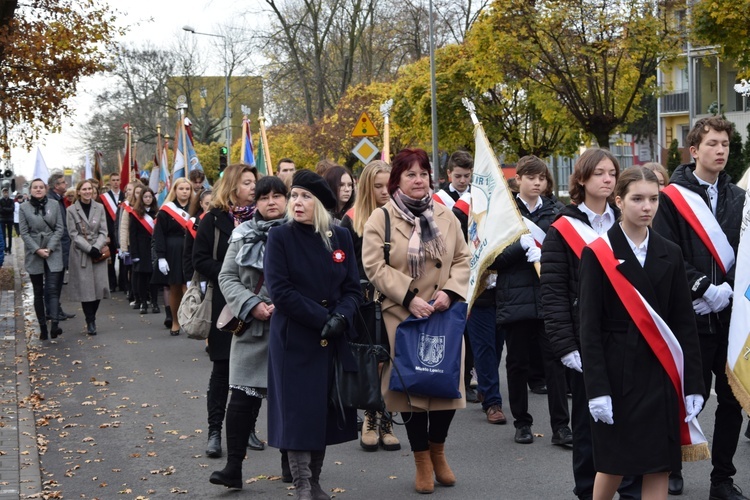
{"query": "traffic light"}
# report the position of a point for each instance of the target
(222, 159)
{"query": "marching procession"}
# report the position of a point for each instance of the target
(328, 295)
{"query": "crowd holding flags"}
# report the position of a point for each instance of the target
(185, 158)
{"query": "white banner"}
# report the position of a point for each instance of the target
(495, 221)
(738, 350)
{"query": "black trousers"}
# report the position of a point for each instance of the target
(46, 295)
(89, 310)
(728, 416)
(425, 427)
(520, 337)
(143, 289)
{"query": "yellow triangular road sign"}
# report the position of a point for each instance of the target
(364, 127)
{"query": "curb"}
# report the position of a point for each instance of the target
(30, 481)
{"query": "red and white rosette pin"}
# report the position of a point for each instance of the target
(339, 256)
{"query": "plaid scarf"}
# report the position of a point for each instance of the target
(425, 237)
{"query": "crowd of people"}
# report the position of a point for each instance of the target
(292, 256)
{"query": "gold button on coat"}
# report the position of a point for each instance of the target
(323, 343)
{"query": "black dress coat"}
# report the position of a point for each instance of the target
(140, 245)
(169, 237)
(559, 286)
(306, 285)
(617, 361)
(219, 342)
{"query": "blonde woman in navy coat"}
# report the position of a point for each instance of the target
(312, 279)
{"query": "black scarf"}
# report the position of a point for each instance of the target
(39, 204)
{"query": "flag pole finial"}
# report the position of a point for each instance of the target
(471, 108)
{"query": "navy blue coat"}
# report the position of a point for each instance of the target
(306, 285)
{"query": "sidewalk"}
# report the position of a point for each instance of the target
(19, 459)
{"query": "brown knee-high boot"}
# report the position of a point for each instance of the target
(443, 472)
(424, 482)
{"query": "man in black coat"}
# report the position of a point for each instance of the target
(111, 201)
(56, 187)
(710, 286)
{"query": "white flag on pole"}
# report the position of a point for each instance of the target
(88, 173)
(40, 167)
(495, 221)
(738, 350)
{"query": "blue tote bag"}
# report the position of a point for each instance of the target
(428, 354)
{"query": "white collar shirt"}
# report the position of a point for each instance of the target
(638, 250)
(601, 223)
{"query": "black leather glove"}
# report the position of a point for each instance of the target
(94, 253)
(335, 327)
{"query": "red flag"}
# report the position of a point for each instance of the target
(125, 169)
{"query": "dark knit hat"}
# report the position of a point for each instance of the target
(307, 179)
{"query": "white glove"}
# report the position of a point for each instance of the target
(572, 360)
(693, 406)
(123, 254)
(527, 241)
(601, 409)
(136, 260)
(203, 287)
(163, 266)
(718, 296)
(534, 254)
(701, 307)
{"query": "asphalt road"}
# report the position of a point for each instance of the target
(122, 415)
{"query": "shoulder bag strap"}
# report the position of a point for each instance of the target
(387, 241)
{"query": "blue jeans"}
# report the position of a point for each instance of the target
(487, 339)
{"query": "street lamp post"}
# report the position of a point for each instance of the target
(227, 122)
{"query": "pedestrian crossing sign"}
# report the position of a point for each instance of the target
(365, 150)
(365, 127)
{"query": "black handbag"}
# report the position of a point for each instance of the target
(361, 389)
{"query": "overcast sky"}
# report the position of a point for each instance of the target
(155, 21)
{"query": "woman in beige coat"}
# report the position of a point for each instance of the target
(429, 261)
(88, 282)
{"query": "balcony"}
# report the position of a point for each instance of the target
(675, 102)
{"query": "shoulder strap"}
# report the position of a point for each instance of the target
(216, 240)
(387, 242)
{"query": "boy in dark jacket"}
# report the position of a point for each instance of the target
(704, 191)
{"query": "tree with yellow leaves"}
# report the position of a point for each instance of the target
(46, 47)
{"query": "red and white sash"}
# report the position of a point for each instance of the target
(125, 205)
(576, 233)
(536, 232)
(110, 205)
(444, 198)
(146, 221)
(700, 218)
(180, 216)
(662, 341)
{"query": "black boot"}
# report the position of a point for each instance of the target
(144, 308)
(168, 318)
(253, 442)
(238, 415)
(286, 472)
(55, 331)
(91, 327)
(316, 465)
(155, 308)
(43, 331)
(213, 448)
(299, 463)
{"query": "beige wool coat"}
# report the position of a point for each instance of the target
(449, 272)
(87, 281)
